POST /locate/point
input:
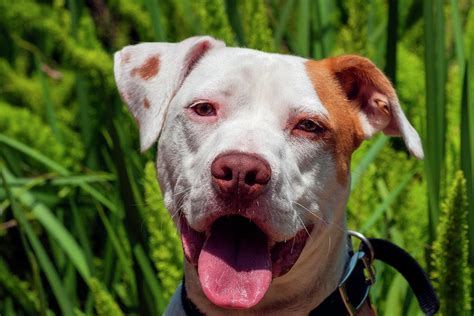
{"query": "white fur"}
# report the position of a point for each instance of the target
(172, 60)
(263, 90)
(258, 93)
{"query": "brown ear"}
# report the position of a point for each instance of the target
(364, 84)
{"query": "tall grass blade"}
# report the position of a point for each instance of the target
(87, 124)
(458, 36)
(153, 8)
(435, 105)
(58, 180)
(55, 228)
(52, 276)
(467, 148)
(8, 307)
(87, 121)
(150, 278)
(54, 166)
(133, 218)
(387, 202)
(395, 296)
(81, 232)
(50, 112)
(303, 28)
(283, 18)
(82, 179)
(392, 38)
(369, 157)
(322, 39)
(235, 21)
(118, 247)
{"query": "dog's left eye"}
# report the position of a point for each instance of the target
(309, 126)
(204, 109)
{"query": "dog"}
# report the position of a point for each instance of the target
(253, 160)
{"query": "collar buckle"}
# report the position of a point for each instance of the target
(360, 260)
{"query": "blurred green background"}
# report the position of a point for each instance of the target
(82, 227)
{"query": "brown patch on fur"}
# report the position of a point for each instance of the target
(148, 69)
(347, 133)
(364, 83)
(360, 77)
(146, 103)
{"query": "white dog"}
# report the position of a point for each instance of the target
(253, 161)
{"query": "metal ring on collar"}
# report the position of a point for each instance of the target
(365, 241)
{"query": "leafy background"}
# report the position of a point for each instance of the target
(82, 227)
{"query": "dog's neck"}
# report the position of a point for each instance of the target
(313, 278)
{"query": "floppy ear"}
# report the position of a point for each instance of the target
(363, 83)
(148, 76)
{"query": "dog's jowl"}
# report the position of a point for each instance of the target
(253, 160)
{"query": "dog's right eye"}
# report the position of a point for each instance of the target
(309, 126)
(204, 109)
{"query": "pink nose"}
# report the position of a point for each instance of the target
(240, 175)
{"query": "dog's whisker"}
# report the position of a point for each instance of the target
(310, 212)
(319, 217)
(302, 224)
(175, 213)
(293, 246)
(178, 200)
(329, 247)
(178, 211)
(183, 191)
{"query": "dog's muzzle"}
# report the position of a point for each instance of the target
(236, 261)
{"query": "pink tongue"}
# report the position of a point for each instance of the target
(235, 267)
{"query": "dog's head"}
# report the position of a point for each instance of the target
(254, 150)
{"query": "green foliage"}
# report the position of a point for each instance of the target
(19, 289)
(213, 19)
(165, 245)
(131, 13)
(30, 129)
(105, 304)
(378, 182)
(257, 32)
(18, 89)
(363, 34)
(29, 16)
(451, 274)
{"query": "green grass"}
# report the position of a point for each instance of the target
(82, 228)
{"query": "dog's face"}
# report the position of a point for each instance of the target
(254, 150)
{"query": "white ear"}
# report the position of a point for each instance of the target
(148, 76)
(379, 108)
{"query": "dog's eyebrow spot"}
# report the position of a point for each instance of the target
(148, 69)
(146, 103)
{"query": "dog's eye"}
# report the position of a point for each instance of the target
(204, 109)
(309, 126)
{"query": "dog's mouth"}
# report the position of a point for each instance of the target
(236, 261)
